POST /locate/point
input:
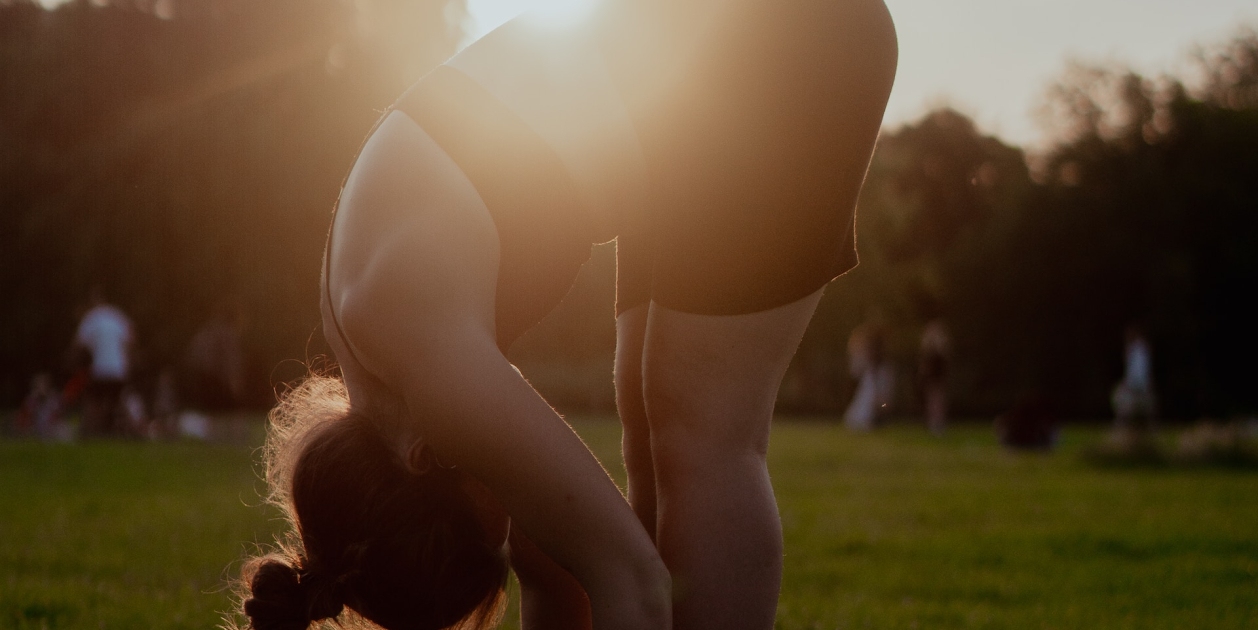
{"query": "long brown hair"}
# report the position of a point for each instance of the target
(370, 543)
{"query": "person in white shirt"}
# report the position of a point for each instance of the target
(1134, 399)
(108, 335)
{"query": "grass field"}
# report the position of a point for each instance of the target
(890, 530)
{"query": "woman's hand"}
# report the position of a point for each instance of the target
(550, 598)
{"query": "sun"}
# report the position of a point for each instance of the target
(488, 14)
(563, 12)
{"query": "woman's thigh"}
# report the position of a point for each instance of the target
(710, 381)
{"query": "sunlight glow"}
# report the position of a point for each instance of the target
(490, 14)
(992, 59)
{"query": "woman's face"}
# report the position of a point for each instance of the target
(420, 459)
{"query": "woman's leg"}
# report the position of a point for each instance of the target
(636, 438)
(709, 385)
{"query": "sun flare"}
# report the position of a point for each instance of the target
(489, 14)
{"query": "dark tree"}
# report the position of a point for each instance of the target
(186, 153)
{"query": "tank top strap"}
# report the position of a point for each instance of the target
(327, 292)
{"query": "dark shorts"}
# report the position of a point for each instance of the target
(757, 154)
(544, 233)
(754, 163)
(103, 397)
(105, 389)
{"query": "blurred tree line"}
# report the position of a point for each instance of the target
(186, 154)
(1144, 212)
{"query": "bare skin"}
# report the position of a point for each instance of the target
(551, 599)
(696, 392)
(636, 432)
(415, 268)
(413, 280)
(706, 390)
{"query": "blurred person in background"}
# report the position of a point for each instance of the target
(165, 411)
(1029, 425)
(106, 333)
(135, 421)
(932, 373)
(723, 145)
(214, 363)
(875, 376)
(40, 413)
(1134, 400)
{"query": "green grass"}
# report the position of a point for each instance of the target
(890, 530)
(122, 535)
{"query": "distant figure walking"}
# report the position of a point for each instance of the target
(1029, 425)
(1133, 398)
(165, 404)
(866, 349)
(108, 335)
(932, 374)
(215, 362)
(40, 413)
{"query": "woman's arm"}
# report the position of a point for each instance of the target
(550, 598)
(479, 414)
(414, 281)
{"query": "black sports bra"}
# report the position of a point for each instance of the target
(544, 232)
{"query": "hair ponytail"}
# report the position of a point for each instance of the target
(371, 544)
(285, 599)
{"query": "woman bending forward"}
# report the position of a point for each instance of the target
(722, 143)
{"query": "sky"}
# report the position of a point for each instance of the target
(995, 59)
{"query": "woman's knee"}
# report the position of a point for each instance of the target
(685, 442)
(698, 424)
